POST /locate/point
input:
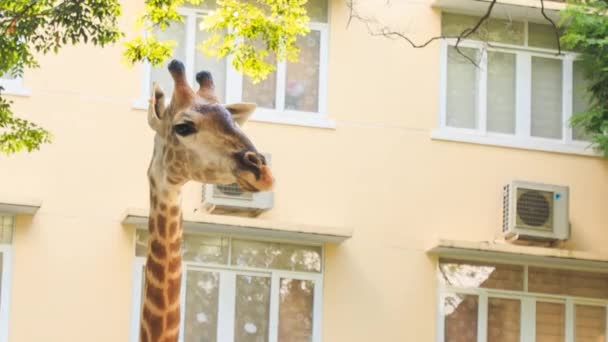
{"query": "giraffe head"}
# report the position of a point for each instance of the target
(199, 139)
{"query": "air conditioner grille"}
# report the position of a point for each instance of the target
(535, 209)
(231, 191)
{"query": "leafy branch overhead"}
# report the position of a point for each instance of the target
(583, 28)
(586, 31)
(28, 27)
(255, 34)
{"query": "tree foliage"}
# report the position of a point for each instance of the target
(585, 25)
(254, 32)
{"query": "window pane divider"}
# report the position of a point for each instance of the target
(567, 85)
(482, 317)
(523, 81)
(226, 306)
(190, 47)
(528, 320)
(281, 82)
(182, 304)
(569, 320)
(482, 101)
(273, 323)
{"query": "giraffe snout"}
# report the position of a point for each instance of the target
(255, 174)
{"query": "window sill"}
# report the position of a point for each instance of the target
(293, 118)
(270, 116)
(537, 144)
(15, 90)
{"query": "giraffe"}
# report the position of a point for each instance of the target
(196, 139)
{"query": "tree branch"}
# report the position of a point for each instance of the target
(384, 31)
(555, 29)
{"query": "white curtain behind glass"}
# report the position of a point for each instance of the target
(546, 98)
(177, 33)
(580, 97)
(501, 92)
(462, 82)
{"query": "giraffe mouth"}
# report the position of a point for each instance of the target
(262, 181)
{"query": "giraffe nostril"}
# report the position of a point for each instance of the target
(252, 159)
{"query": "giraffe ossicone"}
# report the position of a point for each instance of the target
(198, 139)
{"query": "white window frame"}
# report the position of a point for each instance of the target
(522, 138)
(528, 304)
(234, 80)
(14, 87)
(5, 292)
(227, 292)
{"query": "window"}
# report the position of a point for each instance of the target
(494, 302)
(7, 224)
(243, 290)
(294, 94)
(520, 93)
(13, 85)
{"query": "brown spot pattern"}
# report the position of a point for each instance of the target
(163, 206)
(172, 228)
(143, 335)
(155, 296)
(155, 324)
(173, 319)
(173, 289)
(169, 155)
(153, 201)
(151, 226)
(158, 249)
(157, 270)
(175, 265)
(161, 225)
(175, 246)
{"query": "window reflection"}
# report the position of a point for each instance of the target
(296, 310)
(473, 274)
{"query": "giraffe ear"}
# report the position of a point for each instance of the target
(241, 111)
(156, 107)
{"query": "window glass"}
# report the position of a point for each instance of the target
(6, 228)
(462, 88)
(542, 36)
(263, 93)
(216, 66)
(503, 320)
(202, 296)
(177, 33)
(568, 282)
(318, 10)
(546, 98)
(494, 30)
(252, 308)
(207, 249)
(296, 298)
(460, 314)
(472, 274)
(501, 92)
(590, 323)
(550, 322)
(274, 255)
(302, 83)
(580, 97)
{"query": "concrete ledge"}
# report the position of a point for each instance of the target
(220, 224)
(15, 205)
(523, 254)
(505, 9)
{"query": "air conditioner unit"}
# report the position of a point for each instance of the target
(535, 211)
(230, 199)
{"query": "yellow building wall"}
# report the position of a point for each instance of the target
(378, 172)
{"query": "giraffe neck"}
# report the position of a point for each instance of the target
(160, 316)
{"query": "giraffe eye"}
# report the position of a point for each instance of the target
(184, 129)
